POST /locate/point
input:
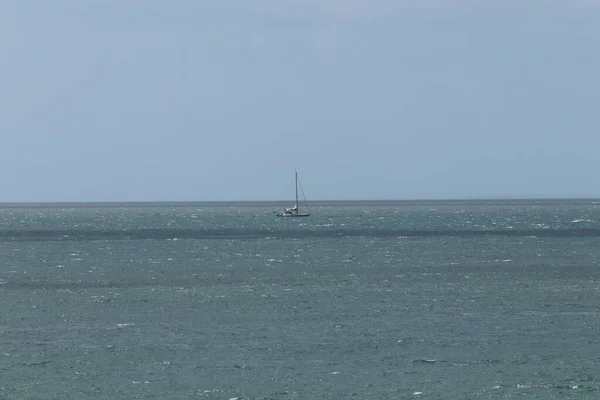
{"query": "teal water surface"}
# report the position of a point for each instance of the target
(397, 300)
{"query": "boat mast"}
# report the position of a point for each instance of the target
(296, 189)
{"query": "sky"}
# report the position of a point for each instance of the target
(187, 100)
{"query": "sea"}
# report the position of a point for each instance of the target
(495, 299)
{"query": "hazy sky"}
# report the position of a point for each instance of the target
(134, 100)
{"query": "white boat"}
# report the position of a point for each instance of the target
(295, 210)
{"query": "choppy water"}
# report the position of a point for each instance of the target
(437, 300)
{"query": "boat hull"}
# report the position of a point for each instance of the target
(292, 215)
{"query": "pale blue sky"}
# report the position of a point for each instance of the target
(131, 100)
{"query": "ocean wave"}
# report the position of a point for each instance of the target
(7, 235)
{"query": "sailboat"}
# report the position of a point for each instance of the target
(295, 211)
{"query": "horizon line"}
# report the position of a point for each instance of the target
(274, 202)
